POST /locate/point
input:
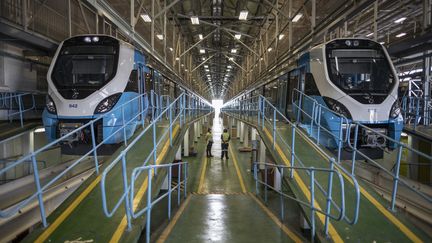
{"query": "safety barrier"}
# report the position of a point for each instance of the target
(265, 115)
(311, 203)
(151, 169)
(151, 158)
(416, 110)
(14, 104)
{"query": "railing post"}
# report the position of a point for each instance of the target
(39, 191)
(259, 110)
(274, 129)
(396, 178)
(185, 179)
(170, 124)
(178, 183)
(149, 204)
(263, 113)
(319, 124)
(256, 177)
(293, 135)
(124, 126)
(20, 105)
(281, 196)
(169, 190)
(312, 118)
(312, 202)
(299, 106)
(154, 145)
(417, 112)
(340, 140)
(265, 182)
(329, 196)
(128, 208)
(94, 148)
(142, 108)
(354, 150)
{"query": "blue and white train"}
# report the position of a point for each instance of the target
(351, 77)
(90, 76)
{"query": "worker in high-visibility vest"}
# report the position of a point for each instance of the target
(209, 139)
(225, 137)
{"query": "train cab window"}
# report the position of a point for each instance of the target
(310, 85)
(132, 85)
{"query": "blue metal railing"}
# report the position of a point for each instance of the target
(13, 102)
(181, 106)
(259, 110)
(416, 110)
(311, 203)
(151, 169)
(38, 194)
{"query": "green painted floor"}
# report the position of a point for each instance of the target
(220, 210)
(375, 223)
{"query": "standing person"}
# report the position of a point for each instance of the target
(225, 137)
(209, 139)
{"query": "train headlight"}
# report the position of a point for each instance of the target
(337, 107)
(107, 104)
(50, 105)
(395, 110)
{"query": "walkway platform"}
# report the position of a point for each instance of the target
(424, 132)
(222, 207)
(376, 222)
(9, 129)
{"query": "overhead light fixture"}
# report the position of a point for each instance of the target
(229, 66)
(207, 70)
(243, 15)
(233, 50)
(237, 36)
(200, 36)
(182, 65)
(194, 20)
(382, 42)
(205, 66)
(297, 17)
(146, 18)
(400, 20)
(202, 51)
(269, 49)
(160, 37)
(171, 49)
(261, 58)
(203, 58)
(370, 34)
(177, 58)
(231, 58)
(186, 70)
(281, 36)
(400, 35)
(39, 130)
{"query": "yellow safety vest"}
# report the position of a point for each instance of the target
(225, 137)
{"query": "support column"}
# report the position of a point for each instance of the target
(246, 136)
(186, 143)
(241, 132)
(253, 134)
(238, 129)
(262, 153)
(178, 154)
(195, 135)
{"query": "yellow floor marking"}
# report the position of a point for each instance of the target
(123, 223)
(173, 222)
(52, 227)
(332, 231)
(203, 171)
(377, 204)
(275, 219)
(238, 170)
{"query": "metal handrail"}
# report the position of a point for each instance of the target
(7, 101)
(153, 155)
(152, 169)
(32, 157)
(311, 204)
(417, 108)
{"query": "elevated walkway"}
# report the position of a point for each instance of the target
(375, 221)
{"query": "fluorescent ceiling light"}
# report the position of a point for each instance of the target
(231, 58)
(243, 15)
(160, 37)
(400, 20)
(237, 36)
(261, 58)
(297, 17)
(229, 66)
(202, 51)
(171, 49)
(186, 70)
(400, 35)
(205, 66)
(269, 49)
(200, 36)
(177, 58)
(203, 58)
(146, 18)
(207, 70)
(182, 65)
(370, 34)
(233, 50)
(194, 20)
(281, 36)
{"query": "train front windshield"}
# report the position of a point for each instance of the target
(359, 71)
(85, 67)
